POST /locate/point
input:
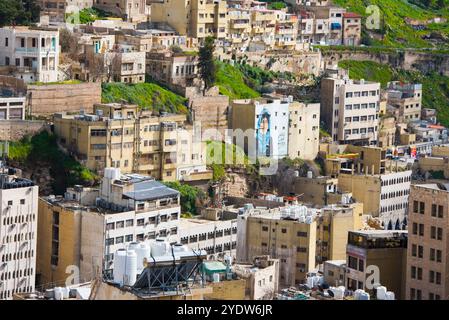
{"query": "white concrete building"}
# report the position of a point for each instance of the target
(31, 54)
(395, 189)
(217, 238)
(350, 109)
(18, 230)
(12, 108)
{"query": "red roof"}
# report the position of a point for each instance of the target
(351, 15)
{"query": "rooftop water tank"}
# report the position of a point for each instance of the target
(381, 292)
(130, 268)
(180, 248)
(364, 296)
(58, 293)
(119, 266)
(143, 251)
(216, 277)
(160, 247)
(309, 174)
(389, 295)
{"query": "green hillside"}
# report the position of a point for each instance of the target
(435, 86)
(395, 31)
(146, 95)
(231, 82)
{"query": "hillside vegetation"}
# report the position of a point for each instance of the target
(149, 96)
(435, 86)
(395, 31)
(41, 150)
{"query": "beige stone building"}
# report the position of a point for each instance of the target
(175, 70)
(387, 131)
(299, 243)
(383, 195)
(304, 130)
(86, 227)
(194, 18)
(427, 258)
(372, 250)
(120, 136)
(134, 11)
(56, 9)
(352, 29)
(406, 99)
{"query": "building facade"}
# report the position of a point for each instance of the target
(18, 233)
(427, 259)
(31, 54)
(304, 130)
(350, 109)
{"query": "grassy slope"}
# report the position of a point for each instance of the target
(435, 86)
(398, 33)
(231, 82)
(42, 148)
(146, 95)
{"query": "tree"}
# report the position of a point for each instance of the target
(206, 63)
(69, 44)
(19, 12)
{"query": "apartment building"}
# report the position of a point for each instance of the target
(265, 123)
(194, 18)
(355, 159)
(217, 237)
(56, 9)
(406, 99)
(322, 190)
(328, 24)
(30, 53)
(427, 258)
(350, 109)
(175, 70)
(286, 30)
(87, 226)
(263, 27)
(134, 11)
(239, 27)
(121, 137)
(303, 130)
(383, 195)
(18, 232)
(12, 108)
(352, 29)
(377, 256)
(107, 60)
(299, 240)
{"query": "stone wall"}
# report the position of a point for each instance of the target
(408, 60)
(14, 130)
(212, 112)
(240, 202)
(48, 99)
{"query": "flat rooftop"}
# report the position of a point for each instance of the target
(380, 233)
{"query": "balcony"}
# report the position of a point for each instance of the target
(284, 31)
(240, 24)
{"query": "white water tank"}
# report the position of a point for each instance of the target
(58, 293)
(381, 292)
(160, 247)
(112, 173)
(130, 268)
(216, 277)
(309, 174)
(119, 266)
(143, 251)
(364, 296)
(133, 246)
(65, 292)
(180, 248)
(338, 292)
(389, 295)
(310, 282)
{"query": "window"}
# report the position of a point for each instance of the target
(302, 234)
(413, 272)
(140, 222)
(301, 249)
(421, 229)
(264, 228)
(361, 265)
(129, 223)
(119, 240)
(129, 238)
(421, 207)
(433, 232)
(283, 230)
(352, 262)
(420, 251)
(10, 202)
(120, 224)
(414, 250)
(110, 241)
(110, 226)
(440, 234)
